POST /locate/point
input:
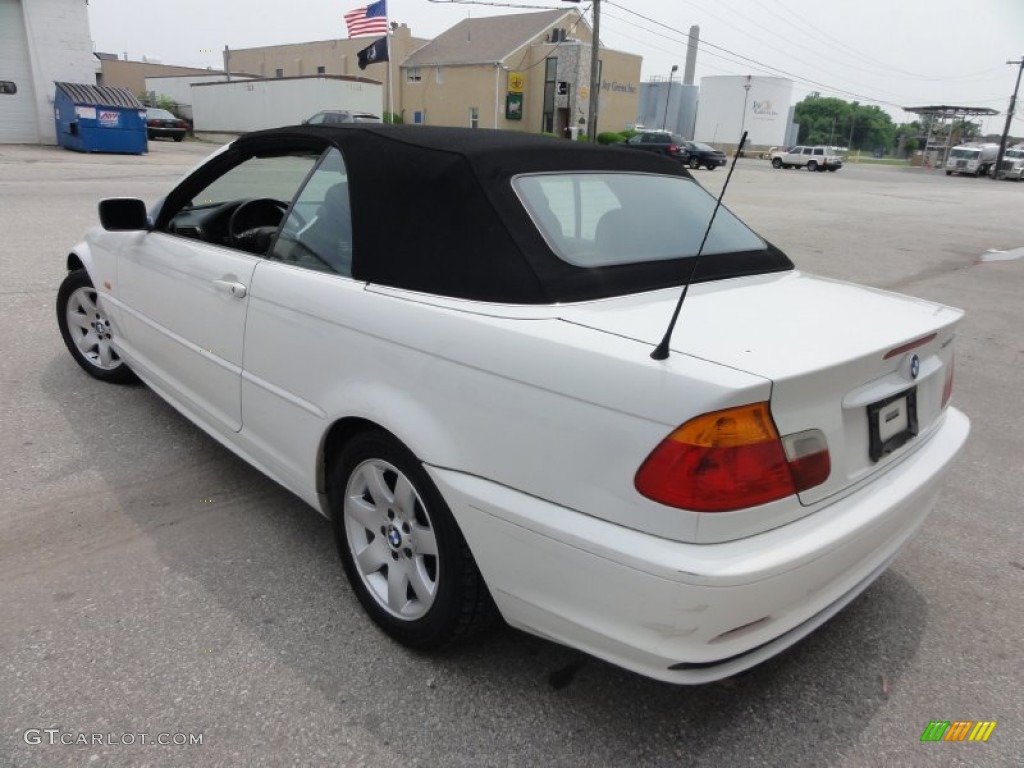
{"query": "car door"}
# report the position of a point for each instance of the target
(184, 286)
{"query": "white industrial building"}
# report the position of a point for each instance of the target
(731, 104)
(251, 105)
(178, 88)
(41, 41)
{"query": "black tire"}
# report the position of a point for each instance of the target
(949, 173)
(179, 138)
(777, 162)
(833, 169)
(711, 166)
(695, 163)
(812, 165)
(116, 372)
(461, 604)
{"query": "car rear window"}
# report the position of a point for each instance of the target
(159, 114)
(606, 219)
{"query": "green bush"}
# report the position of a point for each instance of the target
(627, 134)
(609, 137)
(391, 117)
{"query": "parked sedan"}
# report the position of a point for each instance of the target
(701, 154)
(442, 340)
(164, 125)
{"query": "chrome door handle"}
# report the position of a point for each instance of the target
(230, 286)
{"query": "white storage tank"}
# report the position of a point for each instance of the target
(722, 118)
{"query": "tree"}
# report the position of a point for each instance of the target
(831, 121)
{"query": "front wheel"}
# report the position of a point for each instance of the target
(402, 551)
(87, 332)
(711, 166)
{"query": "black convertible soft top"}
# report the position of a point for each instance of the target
(434, 210)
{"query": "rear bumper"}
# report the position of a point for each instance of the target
(691, 613)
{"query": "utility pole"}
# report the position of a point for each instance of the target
(664, 117)
(595, 74)
(595, 71)
(1009, 117)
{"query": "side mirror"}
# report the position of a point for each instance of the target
(123, 214)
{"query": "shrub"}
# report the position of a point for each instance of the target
(609, 137)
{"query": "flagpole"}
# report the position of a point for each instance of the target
(391, 84)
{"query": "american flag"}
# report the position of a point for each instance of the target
(371, 19)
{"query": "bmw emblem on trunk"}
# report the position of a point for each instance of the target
(915, 366)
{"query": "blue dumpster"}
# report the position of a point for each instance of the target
(95, 118)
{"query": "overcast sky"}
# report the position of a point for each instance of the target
(891, 52)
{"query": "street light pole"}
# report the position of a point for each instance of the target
(1009, 116)
(746, 95)
(664, 118)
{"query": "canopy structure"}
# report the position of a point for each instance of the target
(952, 113)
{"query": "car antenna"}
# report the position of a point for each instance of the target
(661, 351)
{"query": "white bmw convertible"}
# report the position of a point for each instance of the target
(442, 339)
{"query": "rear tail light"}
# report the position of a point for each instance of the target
(181, 123)
(732, 459)
(672, 148)
(947, 387)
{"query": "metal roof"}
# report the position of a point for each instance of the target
(85, 94)
(486, 40)
(948, 111)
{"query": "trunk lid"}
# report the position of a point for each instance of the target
(840, 357)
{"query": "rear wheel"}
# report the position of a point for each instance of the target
(87, 332)
(812, 165)
(695, 163)
(949, 173)
(179, 138)
(402, 551)
(777, 163)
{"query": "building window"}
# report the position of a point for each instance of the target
(417, 117)
(278, 73)
(439, 75)
(412, 74)
(321, 70)
(474, 117)
(547, 124)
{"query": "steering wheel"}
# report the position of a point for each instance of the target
(259, 211)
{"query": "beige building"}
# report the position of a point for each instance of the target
(526, 72)
(118, 73)
(325, 57)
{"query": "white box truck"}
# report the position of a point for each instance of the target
(972, 159)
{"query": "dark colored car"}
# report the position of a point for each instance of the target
(662, 142)
(335, 116)
(162, 124)
(703, 154)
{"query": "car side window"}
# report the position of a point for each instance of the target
(318, 231)
(807, 150)
(819, 151)
(244, 205)
(316, 119)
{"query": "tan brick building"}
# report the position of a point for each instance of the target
(324, 57)
(526, 72)
(118, 73)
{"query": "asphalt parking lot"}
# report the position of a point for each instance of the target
(152, 583)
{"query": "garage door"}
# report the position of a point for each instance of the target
(17, 111)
